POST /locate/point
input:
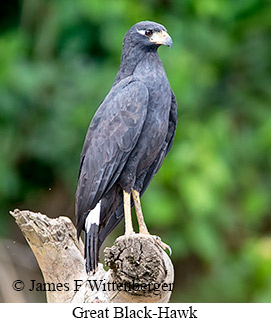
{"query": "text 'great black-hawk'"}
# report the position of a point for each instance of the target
(127, 140)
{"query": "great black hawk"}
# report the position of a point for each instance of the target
(127, 140)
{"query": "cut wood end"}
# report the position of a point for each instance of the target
(141, 264)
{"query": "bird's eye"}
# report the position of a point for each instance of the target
(148, 32)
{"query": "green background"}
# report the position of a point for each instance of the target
(211, 200)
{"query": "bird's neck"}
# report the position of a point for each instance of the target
(130, 59)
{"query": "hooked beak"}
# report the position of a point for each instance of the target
(161, 38)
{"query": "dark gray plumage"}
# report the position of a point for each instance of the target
(128, 137)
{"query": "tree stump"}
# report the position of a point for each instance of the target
(139, 270)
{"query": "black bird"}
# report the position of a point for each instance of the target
(127, 140)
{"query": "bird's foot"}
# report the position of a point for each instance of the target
(157, 240)
(126, 236)
(153, 238)
(162, 244)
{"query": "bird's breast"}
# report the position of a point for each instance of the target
(151, 72)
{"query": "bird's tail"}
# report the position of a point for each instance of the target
(91, 248)
(92, 239)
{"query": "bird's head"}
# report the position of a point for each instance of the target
(148, 35)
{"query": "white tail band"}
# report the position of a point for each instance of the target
(93, 217)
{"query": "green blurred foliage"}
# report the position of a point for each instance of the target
(211, 199)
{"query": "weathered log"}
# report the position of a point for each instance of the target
(139, 270)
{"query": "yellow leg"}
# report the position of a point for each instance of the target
(141, 223)
(127, 213)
